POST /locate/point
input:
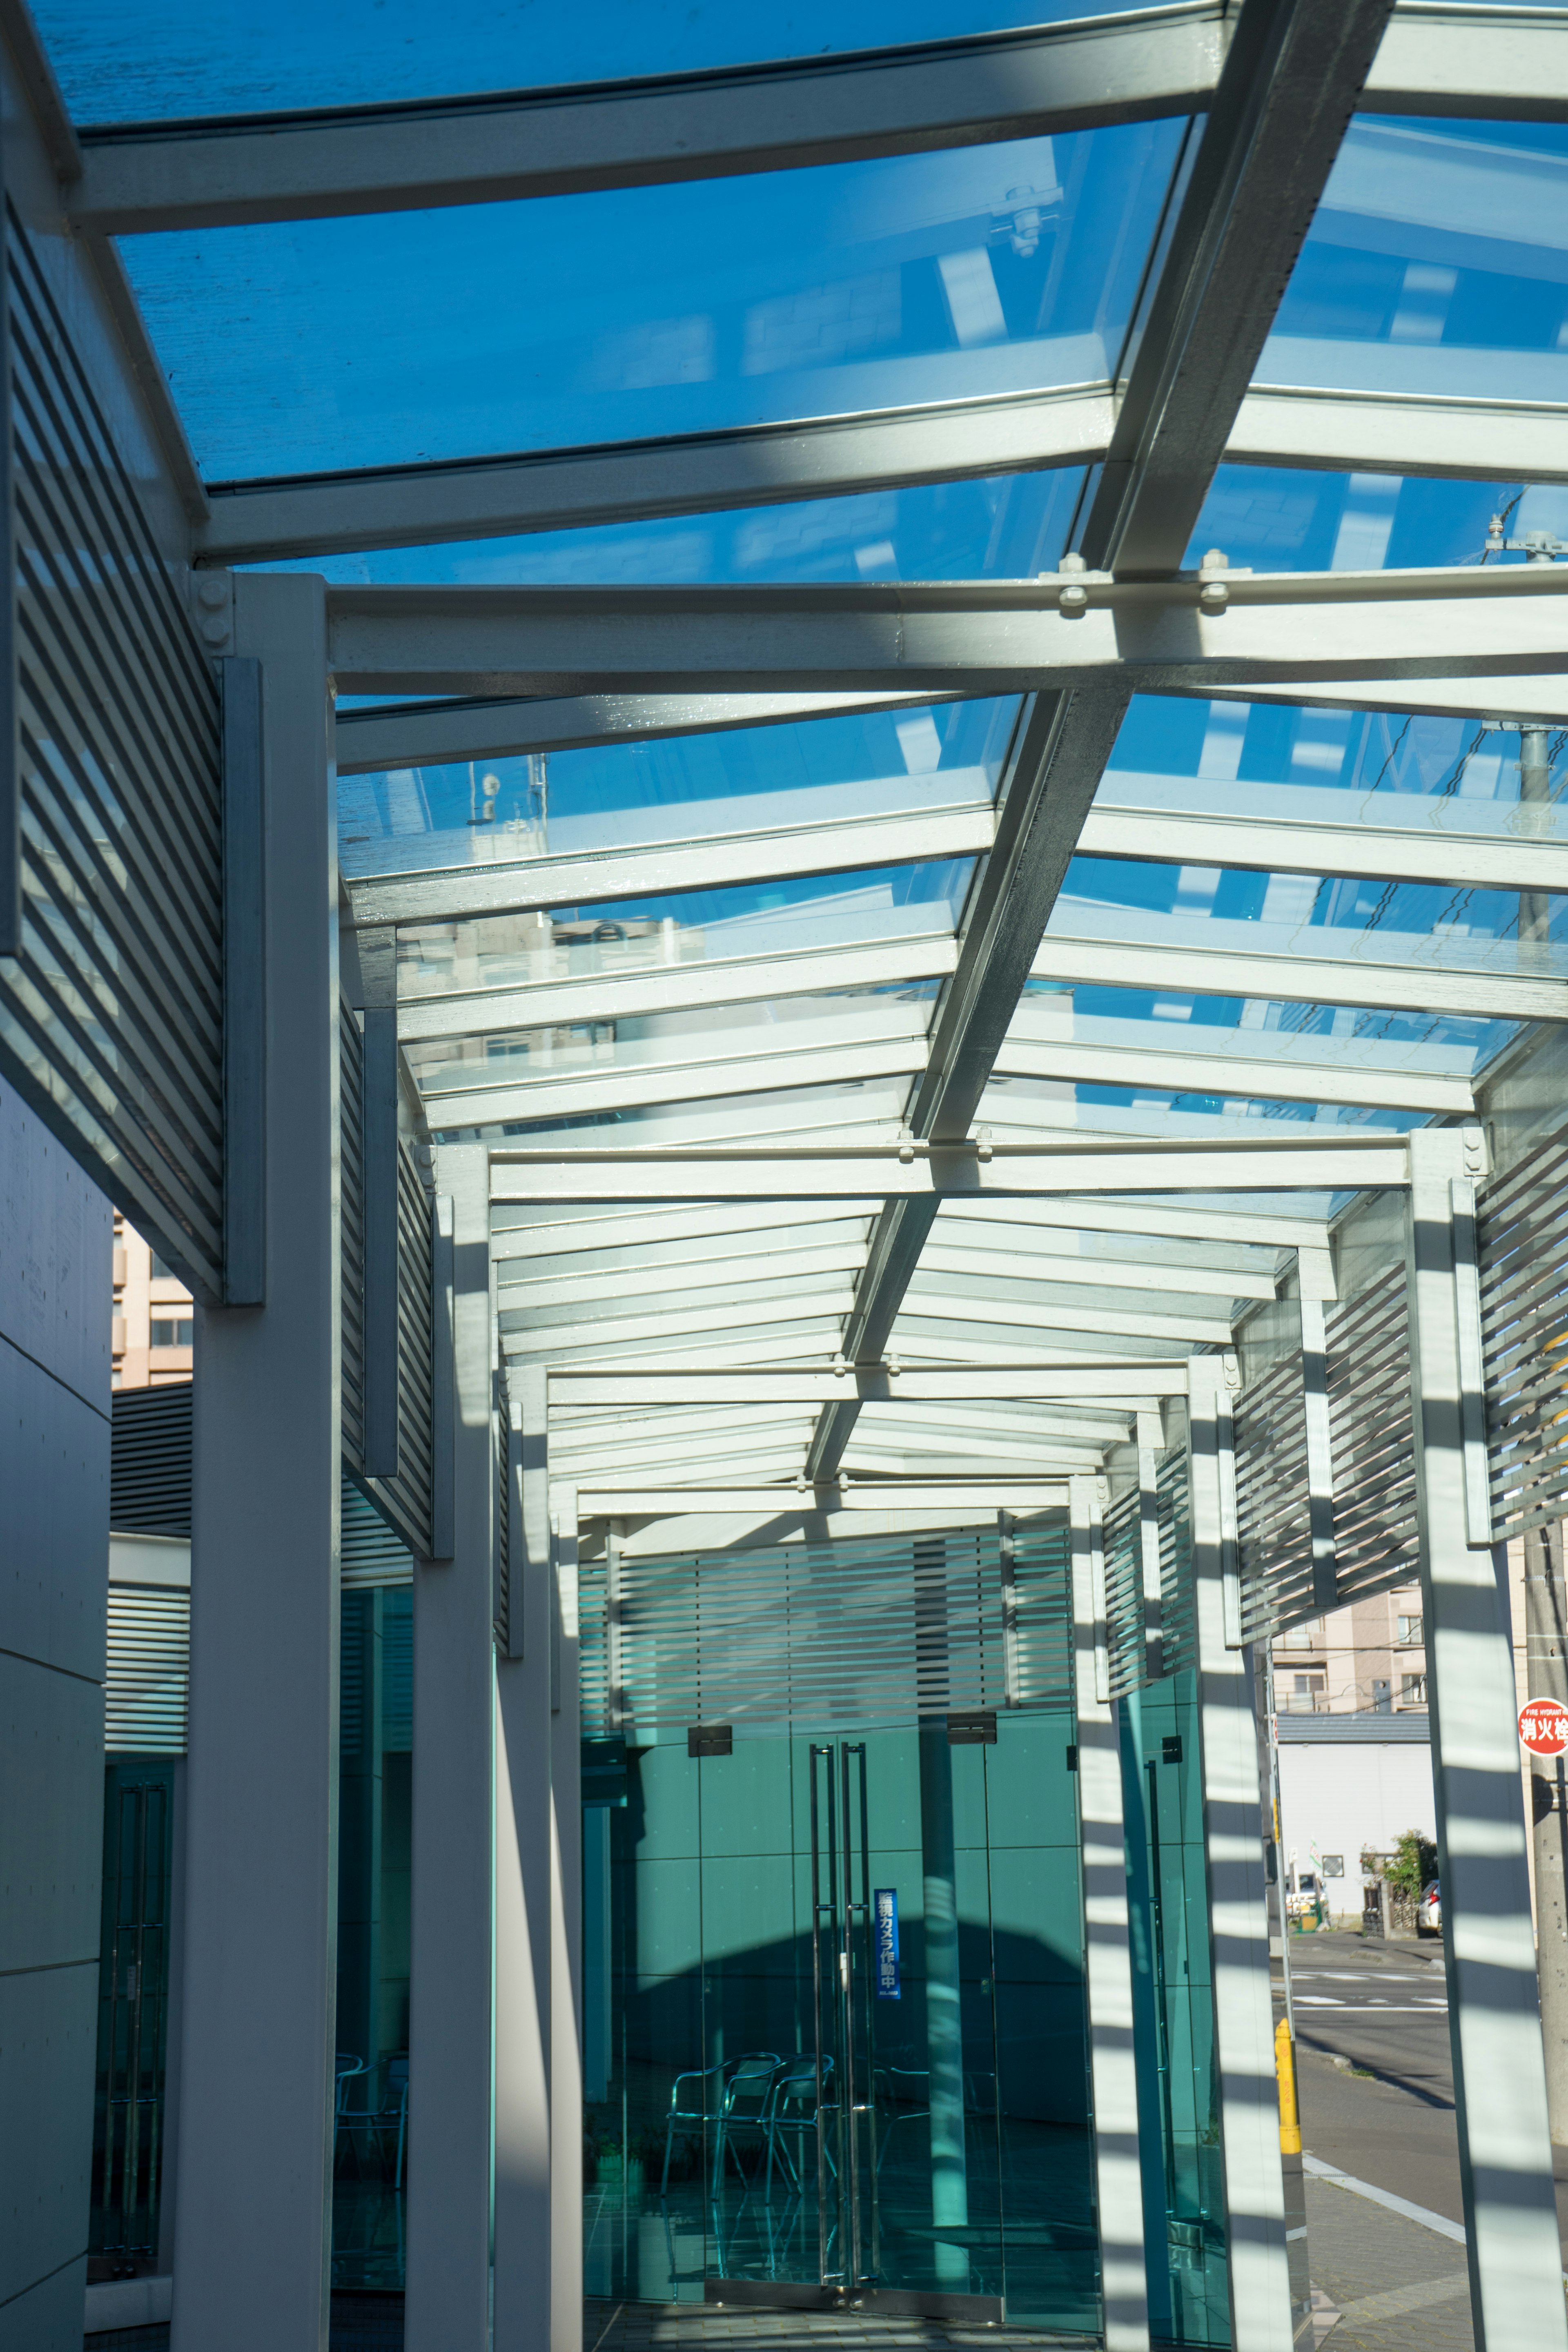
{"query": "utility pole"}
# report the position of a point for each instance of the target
(1546, 1651)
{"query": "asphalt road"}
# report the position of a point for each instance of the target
(1386, 2115)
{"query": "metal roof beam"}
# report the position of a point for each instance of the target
(621, 1385)
(673, 988)
(977, 638)
(1227, 1076)
(963, 1259)
(978, 1493)
(516, 885)
(1403, 433)
(943, 1170)
(1411, 986)
(1268, 840)
(413, 735)
(1289, 87)
(234, 170)
(1510, 64)
(642, 481)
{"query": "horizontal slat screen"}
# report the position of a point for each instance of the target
(1273, 1507)
(1121, 1539)
(351, 1162)
(1178, 1601)
(112, 1018)
(150, 1461)
(1371, 1439)
(372, 1554)
(1521, 1234)
(822, 1635)
(147, 1684)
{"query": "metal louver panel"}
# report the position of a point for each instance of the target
(150, 1461)
(502, 1579)
(1121, 1537)
(111, 1019)
(1521, 1240)
(370, 1553)
(147, 1684)
(821, 1635)
(403, 1500)
(1178, 1601)
(1371, 1439)
(1273, 1503)
(351, 1162)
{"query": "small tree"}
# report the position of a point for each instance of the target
(1415, 1863)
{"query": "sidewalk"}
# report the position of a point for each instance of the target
(1396, 2286)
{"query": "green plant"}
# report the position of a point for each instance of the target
(1414, 1862)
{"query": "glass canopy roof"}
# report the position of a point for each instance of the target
(686, 920)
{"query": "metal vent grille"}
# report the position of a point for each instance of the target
(1523, 1243)
(150, 1461)
(1371, 1439)
(1273, 1505)
(111, 1019)
(820, 1634)
(147, 1684)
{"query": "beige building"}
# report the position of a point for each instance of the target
(1371, 1657)
(153, 1316)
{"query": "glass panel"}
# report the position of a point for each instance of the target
(622, 795)
(1437, 262)
(997, 526)
(184, 57)
(1173, 2016)
(703, 1937)
(782, 1024)
(1438, 1042)
(1291, 519)
(1339, 767)
(635, 312)
(1449, 928)
(818, 912)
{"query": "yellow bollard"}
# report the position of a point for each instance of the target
(1285, 2072)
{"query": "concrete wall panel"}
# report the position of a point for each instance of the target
(54, 1476)
(49, 2031)
(56, 1236)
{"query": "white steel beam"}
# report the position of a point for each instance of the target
(822, 1306)
(565, 1096)
(730, 1274)
(973, 636)
(1301, 978)
(943, 1254)
(1389, 433)
(758, 465)
(1530, 698)
(925, 1296)
(586, 1236)
(1450, 59)
(912, 1495)
(455, 893)
(673, 988)
(1228, 1074)
(946, 1171)
(1241, 1228)
(621, 1385)
(413, 735)
(1273, 842)
(644, 134)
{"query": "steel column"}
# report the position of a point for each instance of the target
(566, 1942)
(524, 2274)
(1500, 2082)
(448, 2246)
(1119, 2189)
(254, 2204)
(1260, 2315)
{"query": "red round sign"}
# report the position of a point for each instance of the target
(1543, 1727)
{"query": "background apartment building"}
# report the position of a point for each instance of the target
(153, 1316)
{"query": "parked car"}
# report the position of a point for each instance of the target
(1429, 1908)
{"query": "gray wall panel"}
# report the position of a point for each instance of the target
(54, 1476)
(49, 2033)
(54, 1242)
(50, 1821)
(46, 2313)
